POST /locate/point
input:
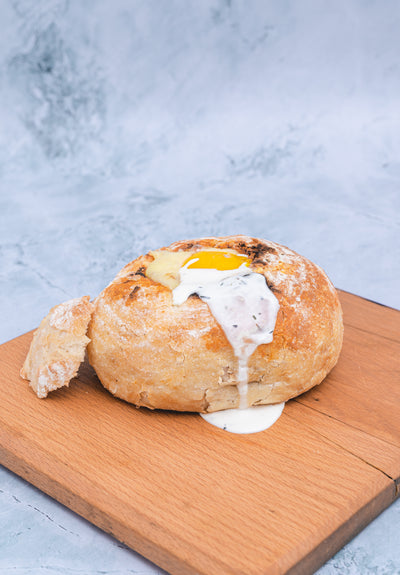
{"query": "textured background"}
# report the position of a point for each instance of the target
(129, 124)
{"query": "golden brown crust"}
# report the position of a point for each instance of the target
(149, 352)
(58, 346)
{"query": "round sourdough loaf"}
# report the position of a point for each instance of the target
(152, 353)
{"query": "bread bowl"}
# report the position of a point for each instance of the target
(151, 352)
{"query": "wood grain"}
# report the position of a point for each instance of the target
(363, 389)
(195, 499)
(369, 316)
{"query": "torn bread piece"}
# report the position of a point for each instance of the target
(58, 346)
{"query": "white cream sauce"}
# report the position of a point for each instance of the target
(249, 420)
(246, 309)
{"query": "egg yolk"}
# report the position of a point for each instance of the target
(217, 260)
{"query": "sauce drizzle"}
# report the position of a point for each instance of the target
(246, 309)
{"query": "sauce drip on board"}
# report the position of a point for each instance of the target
(248, 420)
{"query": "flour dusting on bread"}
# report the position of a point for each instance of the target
(58, 346)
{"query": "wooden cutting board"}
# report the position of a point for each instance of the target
(196, 499)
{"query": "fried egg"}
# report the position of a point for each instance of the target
(246, 309)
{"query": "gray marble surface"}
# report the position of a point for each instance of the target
(126, 125)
